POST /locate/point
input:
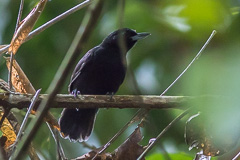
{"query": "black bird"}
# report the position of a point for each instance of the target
(100, 71)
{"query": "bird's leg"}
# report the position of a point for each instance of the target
(110, 94)
(77, 94)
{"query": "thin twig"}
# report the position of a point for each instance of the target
(14, 123)
(162, 133)
(121, 8)
(58, 18)
(118, 133)
(5, 114)
(23, 125)
(60, 77)
(19, 15)
(60, 152)
(86, 145)
(51, 22)
(237, 156)
(194, 59)
(121, 41)
(4, 49)
(10, 72)
(143, 112)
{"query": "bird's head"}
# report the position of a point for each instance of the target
(124, 38)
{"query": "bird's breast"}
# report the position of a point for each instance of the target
(101, 78)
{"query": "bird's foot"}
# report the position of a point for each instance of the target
(110, 95)
(77, 94)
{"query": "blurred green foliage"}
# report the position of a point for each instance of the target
(172, 156)
(178, 28)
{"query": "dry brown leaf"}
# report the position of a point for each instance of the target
(130, 149)
(26, 26)
(8, 131)
(22, 85)
(19, 80)
(9, 136)
(8, 139)
(52, 121)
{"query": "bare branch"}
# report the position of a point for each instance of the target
(60, 153)
(98, 101)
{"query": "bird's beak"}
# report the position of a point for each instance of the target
(140, 36)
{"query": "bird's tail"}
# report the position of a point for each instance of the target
(77, 124)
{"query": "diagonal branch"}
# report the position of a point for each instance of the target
(162, 133)
(82, 35)
(51, 22)
(194, 59)
(23, 125)
(141, 113)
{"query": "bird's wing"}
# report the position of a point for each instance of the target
(86, 60)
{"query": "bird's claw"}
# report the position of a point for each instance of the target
(76, 94)
(110, 95)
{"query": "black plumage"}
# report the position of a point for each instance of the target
(100, 71)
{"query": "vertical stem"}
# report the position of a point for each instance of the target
(19, 14)
(121, 8)
(80, 38)
(10, 71)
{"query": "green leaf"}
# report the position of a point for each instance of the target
(1, 133)
(176, 156)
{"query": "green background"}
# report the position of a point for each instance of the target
(178, 31)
